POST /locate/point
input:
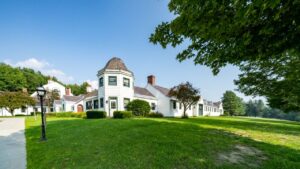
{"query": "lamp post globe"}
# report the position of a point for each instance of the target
(41, 92)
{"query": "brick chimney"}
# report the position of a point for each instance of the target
(68, 91)
(151, 79)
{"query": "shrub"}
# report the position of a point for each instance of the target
(95, 114)
(79, 115)
(122, 114)
(20, 115)
(52, 114)
(139, 107)
(155, 114)
(63, 114)
(67, 114)
(37, 113)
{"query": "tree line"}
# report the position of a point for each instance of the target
(14, 79)
(235, 106)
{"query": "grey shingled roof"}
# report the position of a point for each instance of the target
(142, 91)
(91, 94)
(210, 103)
(72, 98)
(163, 90)
(57, 101)
(115, 64)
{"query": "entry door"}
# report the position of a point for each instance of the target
(200, 109)
(113, 106)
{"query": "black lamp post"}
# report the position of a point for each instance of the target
(41, 92)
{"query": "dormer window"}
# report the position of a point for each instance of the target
(112, 80)
(126, 82)
(101, 82)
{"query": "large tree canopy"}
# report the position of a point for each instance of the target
(15, 79)
(11, 79)
(260, 37)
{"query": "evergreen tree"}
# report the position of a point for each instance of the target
(232, 104)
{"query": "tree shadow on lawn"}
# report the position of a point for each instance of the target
(290, 128)
(148, 143)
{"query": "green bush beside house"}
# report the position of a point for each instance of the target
(95, 114)
(122, 114)
(139, 107)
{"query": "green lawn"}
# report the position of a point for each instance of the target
(206, 142)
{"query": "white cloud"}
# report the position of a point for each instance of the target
(42, 66)
(93, 83)
(33, 63)
(59, 75)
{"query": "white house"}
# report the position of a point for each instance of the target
(116, 90)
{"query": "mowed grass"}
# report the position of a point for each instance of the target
(205, 142)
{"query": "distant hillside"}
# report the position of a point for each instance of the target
(15, 79)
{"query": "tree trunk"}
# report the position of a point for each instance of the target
(11, 112)
(184, 111)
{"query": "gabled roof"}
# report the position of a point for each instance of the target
(142, 91)
(163, 90)
(217, 104)
(73, 98)
(210, 103)
(57, 102)
(94, 93)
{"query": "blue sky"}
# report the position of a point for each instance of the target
(73, 39)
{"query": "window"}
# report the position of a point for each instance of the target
(112, 80)
(215, 109)
(101, 103)
(153, 106)
(126, 82)
(190, 107)
(96, 104)
(23, 109)
(174, 104)
(180, 106)
(72, 108)
(101, 82)
(63, 107)
(113, 104)
(126, 101)
(88, 105)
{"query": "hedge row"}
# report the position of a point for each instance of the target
(155, 114)
(122, 114)
(67, 114)
(95, 114)
(99, 114)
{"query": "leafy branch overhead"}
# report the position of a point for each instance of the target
(257, 36)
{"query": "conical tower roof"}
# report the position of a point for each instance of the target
(116, 64)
